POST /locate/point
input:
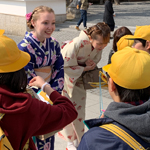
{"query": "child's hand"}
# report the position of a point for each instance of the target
(102, 116)
(37, 81)
(90, 3)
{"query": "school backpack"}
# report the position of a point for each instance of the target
(4, 142)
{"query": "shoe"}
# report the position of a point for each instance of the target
(85, 27)
(77, 28)
(71, 147)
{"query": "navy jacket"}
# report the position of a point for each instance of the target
(134, 119)
(100, 139)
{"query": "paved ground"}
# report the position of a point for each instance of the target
(128, 14)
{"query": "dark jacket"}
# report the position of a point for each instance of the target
(26, 116)
(108, 17)
(135, 120)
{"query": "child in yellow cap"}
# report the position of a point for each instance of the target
(129, 114)
(141, 38)
(24, 116)
(123, 42)
(120, 32)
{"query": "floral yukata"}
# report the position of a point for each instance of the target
(75, 54)
(45, 55)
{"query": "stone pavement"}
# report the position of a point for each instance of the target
(128, 14)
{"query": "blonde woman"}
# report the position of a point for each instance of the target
(46, 59)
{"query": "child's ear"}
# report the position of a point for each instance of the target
(148, 46)
(112, 85)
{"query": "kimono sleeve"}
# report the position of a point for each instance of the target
(71, 67)
(57, 80)
(97, 58)
(29, 68)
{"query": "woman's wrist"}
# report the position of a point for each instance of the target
(42, 88)
(47, 88)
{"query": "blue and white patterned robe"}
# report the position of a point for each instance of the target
(44, 55)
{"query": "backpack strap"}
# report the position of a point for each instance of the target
(123, 135)
(2, 135)
(4, 142)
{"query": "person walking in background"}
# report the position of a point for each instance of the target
(109, 14)
(24, 116)
(80, 55)
(83, 6)
(46, 59)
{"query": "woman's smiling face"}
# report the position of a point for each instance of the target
(44, 25)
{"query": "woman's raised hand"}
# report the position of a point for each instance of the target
(37, 81)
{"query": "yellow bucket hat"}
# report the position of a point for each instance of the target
(11, 58)
(129, 68)
(141, 32)
(123, 42)
(2, 31)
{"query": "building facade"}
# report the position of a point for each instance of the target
(12, 13)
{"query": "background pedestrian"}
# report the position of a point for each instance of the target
(84, 4)
(108, 16)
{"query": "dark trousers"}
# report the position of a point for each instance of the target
(83, 18)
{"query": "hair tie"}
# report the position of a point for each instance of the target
(28, 16)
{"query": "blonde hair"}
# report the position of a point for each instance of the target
(35, 14)
(101, 29)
